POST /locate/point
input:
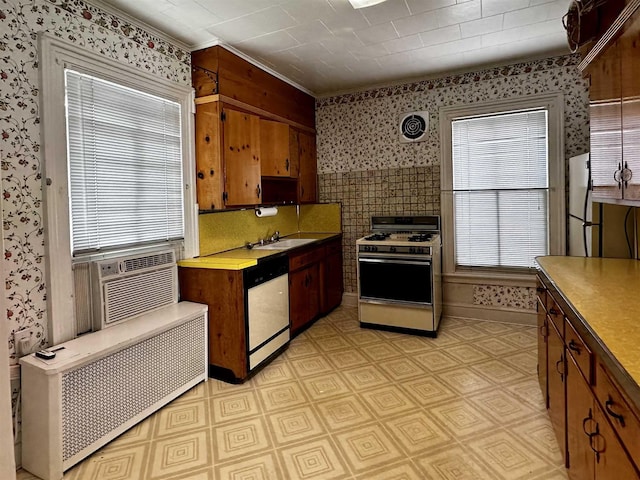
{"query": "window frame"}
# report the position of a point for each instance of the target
(554, 104)
(55, 55)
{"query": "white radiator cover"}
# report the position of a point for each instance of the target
(105, 382)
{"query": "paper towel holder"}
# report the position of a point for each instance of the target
(266, 212)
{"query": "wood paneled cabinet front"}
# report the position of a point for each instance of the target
(227, 157)
(308, 176)
(614, 111)
(597, 431)
(279, 149)
(315, 282)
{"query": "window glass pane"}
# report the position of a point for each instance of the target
(500, 180)
(125, 165)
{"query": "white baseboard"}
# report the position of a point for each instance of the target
(482, 312)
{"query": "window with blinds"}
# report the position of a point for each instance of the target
(500, 189)
(125, 165)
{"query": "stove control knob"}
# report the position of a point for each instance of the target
(392, 249)
(412, 250)
(374, 248)
(367, 248)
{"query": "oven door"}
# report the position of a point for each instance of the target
(395, 279)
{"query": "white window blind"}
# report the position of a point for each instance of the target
(501, 189)
(125, 165)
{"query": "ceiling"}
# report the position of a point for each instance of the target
(326, 46)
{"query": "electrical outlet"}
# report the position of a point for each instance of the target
(25, 341)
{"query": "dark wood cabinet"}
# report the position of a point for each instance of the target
(543, 353)
(614, 109)
(304, 296)
(315, 282)
(308, 176)
(597, 430)
(557, 394)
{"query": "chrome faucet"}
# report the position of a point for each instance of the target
(275, 237)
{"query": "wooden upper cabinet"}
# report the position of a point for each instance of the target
(241, 156)
(279, 149)
(216, 70)
(630, 53)
(208, 144)
(308, 177)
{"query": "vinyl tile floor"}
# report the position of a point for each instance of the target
(348, 403)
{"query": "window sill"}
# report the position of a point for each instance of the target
(512, 279)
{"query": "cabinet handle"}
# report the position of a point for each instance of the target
(540, 289)
(302, 191)
(585, 420)
(573, 346)
(617, 416)
(258, 191)
(593, 435)
(617, 175)
(553, 311)
(201, 175)
(286, 165)
(544, 331)
(561, 361)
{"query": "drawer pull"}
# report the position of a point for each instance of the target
(540, 289)
(573, 346)
(617, 416)
(553, 311)
(544, 331)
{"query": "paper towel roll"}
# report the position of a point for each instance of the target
(267, 212)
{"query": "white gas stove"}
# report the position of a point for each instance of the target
(399, 275)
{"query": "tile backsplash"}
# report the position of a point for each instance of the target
(390, 191)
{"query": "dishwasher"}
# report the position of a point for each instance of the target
(267, 305)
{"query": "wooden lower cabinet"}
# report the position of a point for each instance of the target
(557, 395)
(543, 353)
(579, 401)
(304, 296)
(315, 282)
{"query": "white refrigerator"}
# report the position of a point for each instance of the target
(579, 206)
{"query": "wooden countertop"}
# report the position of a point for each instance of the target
(605, 294)
(242, 257)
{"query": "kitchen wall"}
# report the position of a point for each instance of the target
(20, 144)
(362, 164)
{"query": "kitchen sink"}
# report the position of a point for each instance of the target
(285, 244)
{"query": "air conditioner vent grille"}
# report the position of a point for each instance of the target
(149, 261)
(137, 294)
(102, 396)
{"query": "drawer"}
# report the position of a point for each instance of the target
(618, 411)
(335, 246)
(555, 314)
(579, 351)
(304, 258)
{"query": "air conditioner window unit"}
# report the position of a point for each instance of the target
(128, 286)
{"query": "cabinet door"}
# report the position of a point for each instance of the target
(241, 147)
(308, 190)
(606, 124)
(543, 334)
(612, 462)
(304, 296)
(581, 424)
(629, 44)
(331, 277)
(276, 150)
(209, 175)
(557, 397)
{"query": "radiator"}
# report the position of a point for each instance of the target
(103, 383)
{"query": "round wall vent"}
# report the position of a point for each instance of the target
(414, 127)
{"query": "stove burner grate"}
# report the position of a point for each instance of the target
(377, 237)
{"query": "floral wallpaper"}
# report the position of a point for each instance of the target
(22, 212)
(358, 135)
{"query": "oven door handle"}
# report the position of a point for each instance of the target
(395, 260)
